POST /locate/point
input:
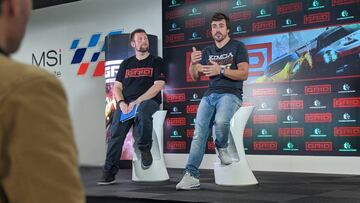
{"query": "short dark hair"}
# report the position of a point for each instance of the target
(221, 16)
(132, 34)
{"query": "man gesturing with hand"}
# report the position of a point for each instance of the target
(226, 64)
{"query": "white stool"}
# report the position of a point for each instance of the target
(157, 170)
(237, 173)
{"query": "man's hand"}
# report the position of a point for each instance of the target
(132, 105)
(195, 56)
(199, 68)
(211, 70)
(195, 67)
(123, 107)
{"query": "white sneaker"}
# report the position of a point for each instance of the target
(188, 182)
(224, 156)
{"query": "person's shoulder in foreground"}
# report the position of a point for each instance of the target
(38, 156)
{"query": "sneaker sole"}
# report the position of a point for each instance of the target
(145, 167)
(225, 163)
(106, 183)
(194, 187)
(228, 163)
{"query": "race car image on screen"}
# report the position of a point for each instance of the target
(334, 52)
(287, 67)
(279, 68)
(338, 51)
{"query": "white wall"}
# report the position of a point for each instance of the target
(56, 27)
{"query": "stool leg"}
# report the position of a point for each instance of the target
(157, 171)
(238, 173)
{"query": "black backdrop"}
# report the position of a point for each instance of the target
(304, 73)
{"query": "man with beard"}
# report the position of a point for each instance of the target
(226, 63)
(38, 155)
(138, 84)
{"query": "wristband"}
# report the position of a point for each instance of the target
(118, 102)
(222, 70)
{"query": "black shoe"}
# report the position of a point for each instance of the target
(146, 159)
(107, 179)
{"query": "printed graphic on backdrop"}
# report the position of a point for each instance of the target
(51, 60)
(303, 76)
(81, 51)
(87, 54)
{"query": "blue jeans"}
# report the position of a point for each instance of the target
(214, 109)
(142, 132)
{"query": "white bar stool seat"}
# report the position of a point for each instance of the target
(157, 170)
(238, 173)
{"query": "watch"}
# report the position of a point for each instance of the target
(222, 70)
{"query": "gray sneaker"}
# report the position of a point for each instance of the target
(224, 156)
(188, 182)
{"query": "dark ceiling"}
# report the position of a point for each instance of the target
(46, 3)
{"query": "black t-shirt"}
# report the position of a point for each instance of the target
(232, 53)
(137, 76)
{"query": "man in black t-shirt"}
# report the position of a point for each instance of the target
(226, 63)
(139, 82)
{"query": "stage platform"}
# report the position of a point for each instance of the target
(273, 187)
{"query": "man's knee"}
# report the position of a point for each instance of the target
(144, 117)
(147, 109)
(222, 123)
(149, 105)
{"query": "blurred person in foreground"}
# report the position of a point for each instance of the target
(38, 156)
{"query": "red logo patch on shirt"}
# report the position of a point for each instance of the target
(139, 72)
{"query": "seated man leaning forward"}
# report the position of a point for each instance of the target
(226, 63)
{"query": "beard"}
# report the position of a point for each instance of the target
(143, 48)
(218, 37)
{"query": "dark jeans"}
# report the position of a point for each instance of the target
(142, 132)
